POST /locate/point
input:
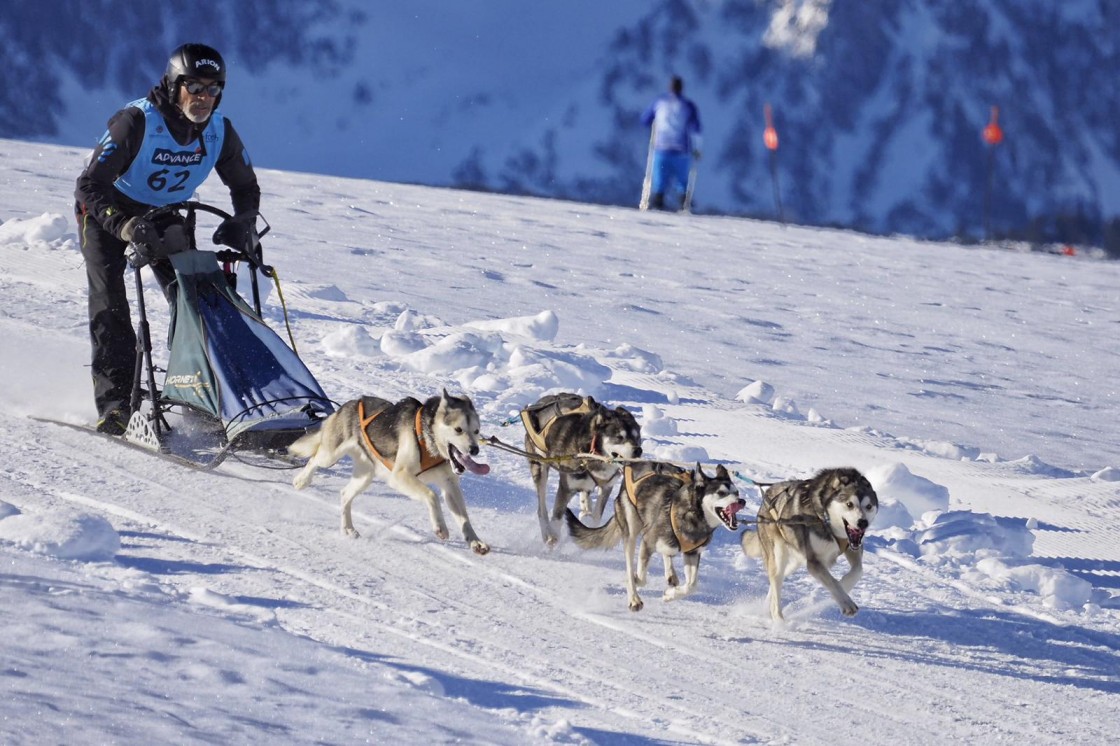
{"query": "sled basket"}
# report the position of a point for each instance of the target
(227, 363)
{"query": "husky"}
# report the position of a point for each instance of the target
(674, 511)
(565, 424)
(812, 522)
(408, 445)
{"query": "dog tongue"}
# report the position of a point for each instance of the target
(729, 512)
(855, 535)
(473, 466)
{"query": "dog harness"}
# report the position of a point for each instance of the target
(631, 485)
(427, 460)
(771, 505)
(538, 436)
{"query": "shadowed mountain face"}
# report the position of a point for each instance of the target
(879, 107)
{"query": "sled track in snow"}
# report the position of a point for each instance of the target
(348, 602)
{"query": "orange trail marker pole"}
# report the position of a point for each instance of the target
(770, 139)
(993, 135)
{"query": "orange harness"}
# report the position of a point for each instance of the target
(631, 485)
(427, 460)
(538, 436)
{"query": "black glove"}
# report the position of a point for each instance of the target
(143, 239)
(240, 233)
(235, 232)
(138, 231)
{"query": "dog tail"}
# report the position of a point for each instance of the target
(307, 445)
(605, 537)
(752, 547)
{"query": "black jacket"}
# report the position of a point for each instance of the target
(98, 198)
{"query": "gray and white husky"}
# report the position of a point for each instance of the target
(812, 522)
(565, 424)
(673, 511)
(409, 445)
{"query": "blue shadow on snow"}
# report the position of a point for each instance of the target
(1065, 655)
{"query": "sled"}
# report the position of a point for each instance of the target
(233, 382)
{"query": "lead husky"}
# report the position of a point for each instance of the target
(405, 444)
(566, 424)
(812, 522)
(673, 511)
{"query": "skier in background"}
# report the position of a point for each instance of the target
(156, 151)
(676, 141)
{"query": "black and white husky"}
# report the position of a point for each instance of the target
(812, 522)
(673, 511)
(562, 425)
(409, 445)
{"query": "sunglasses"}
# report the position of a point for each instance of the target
(195, 88)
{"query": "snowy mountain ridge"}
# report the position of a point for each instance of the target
(879, 107)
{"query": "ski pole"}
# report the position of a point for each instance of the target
(647, 182)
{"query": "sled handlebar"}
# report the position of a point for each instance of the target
(238, 232)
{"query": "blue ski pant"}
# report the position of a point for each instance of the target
(669, 167)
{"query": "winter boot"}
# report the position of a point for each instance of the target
(113, 422)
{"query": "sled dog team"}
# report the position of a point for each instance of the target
(660, 507)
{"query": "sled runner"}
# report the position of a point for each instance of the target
(232, 380)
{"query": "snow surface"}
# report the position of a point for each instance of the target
(975, 387)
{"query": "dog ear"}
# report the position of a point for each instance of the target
(721, 472)
(851, 476)
(698, 474)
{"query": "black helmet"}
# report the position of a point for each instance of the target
(193, 61)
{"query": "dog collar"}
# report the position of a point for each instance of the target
(842, 543)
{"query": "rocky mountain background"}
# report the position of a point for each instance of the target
(879, 106)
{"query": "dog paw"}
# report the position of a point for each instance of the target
(636, 604)
(672, 594)
(441, 534)
(351, 533)
(479, 547)
(849, 609)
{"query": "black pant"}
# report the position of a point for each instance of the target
(110, 324)
(111, 333)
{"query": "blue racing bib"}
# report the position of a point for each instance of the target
(163, 171)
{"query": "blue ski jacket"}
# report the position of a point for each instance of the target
(676, 122)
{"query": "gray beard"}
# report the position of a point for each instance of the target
(193, 117)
